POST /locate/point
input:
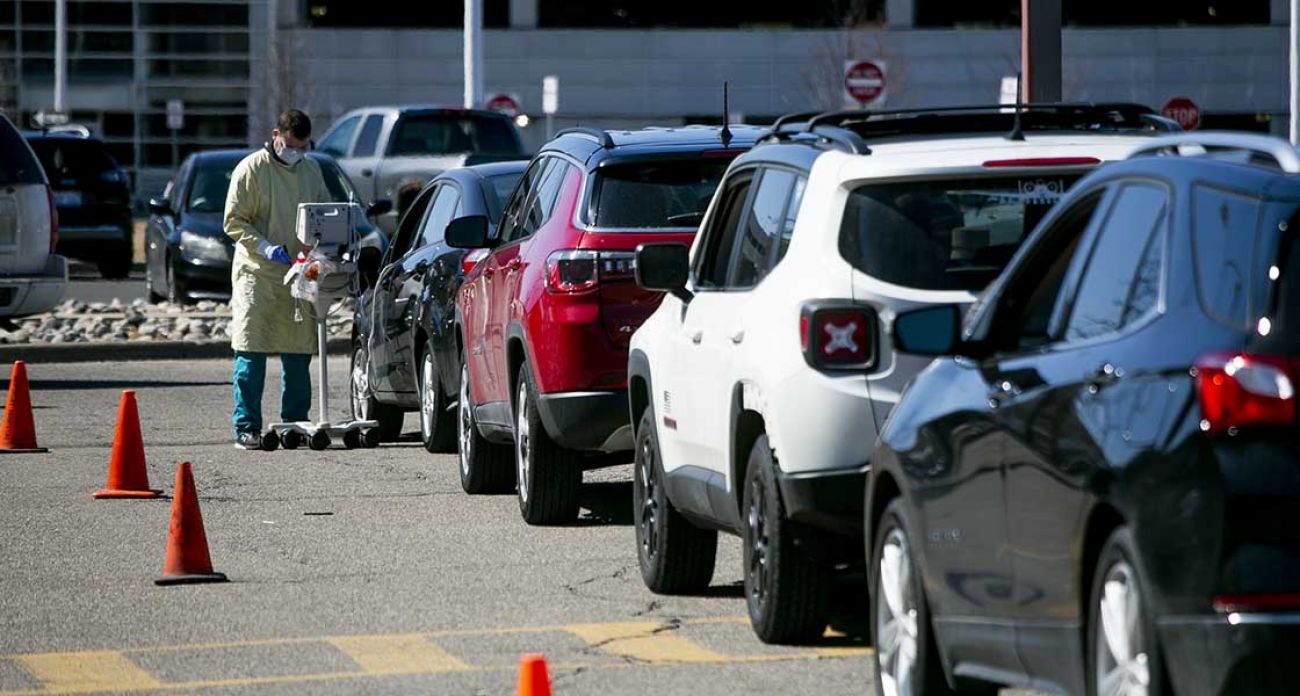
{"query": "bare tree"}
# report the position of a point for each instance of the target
(861, 36)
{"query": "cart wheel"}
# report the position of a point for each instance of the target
(291, 439)
(319, 440)
(270, 441)
(352, 439)
(370, 438)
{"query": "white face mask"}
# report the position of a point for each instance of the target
(288, 155)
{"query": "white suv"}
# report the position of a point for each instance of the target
(759, 385)
(32, 277)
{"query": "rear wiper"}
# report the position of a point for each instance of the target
(692, 219)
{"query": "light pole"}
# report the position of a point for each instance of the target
(473, 54)
(60, 56)
(1040, 50)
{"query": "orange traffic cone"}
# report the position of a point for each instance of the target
(127, 477)
(533, 677)
(187, 560)
(17, 429)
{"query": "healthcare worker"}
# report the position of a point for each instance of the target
(261, 211)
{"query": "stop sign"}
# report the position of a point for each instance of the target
(1184, 111)
(864, 80)
(504, 103)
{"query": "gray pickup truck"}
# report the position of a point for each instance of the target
(391, 152)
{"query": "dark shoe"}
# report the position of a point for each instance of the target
(249, 441)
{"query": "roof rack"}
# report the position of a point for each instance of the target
(602, 137)
(1200, 143)
(865, 125)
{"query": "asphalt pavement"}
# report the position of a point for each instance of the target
(362, 571)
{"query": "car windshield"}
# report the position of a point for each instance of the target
(452, 133)
(640, 195)
(945, 234)
(71, 158)
(212, 181)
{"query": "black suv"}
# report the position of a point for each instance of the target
(1095, 491)
(93, 197)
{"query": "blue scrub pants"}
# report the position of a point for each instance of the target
(250, 378)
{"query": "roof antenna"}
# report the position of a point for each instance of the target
(725, 133)
(1017, 132)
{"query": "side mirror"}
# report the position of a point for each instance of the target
(379, 207)
(160, 206)
(929, 331)
(369, 261)
(664, 267)
(469, 232)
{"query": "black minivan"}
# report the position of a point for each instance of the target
(1096, 488)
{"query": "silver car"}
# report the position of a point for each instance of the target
(391, 152)
(32, 277)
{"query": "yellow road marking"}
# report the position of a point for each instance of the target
(86, 671)
(644, 641)
(409, 654)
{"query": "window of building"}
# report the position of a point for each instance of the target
(401, 13)
(690, 13)
(1006, 13)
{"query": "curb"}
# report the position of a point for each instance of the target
(111, 351)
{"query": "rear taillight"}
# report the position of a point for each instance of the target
(579, 270)
(837, 336)
(1240, 391)
(54, 219)
(1257, 602)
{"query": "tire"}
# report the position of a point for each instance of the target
(319, 440)
(1118, 583)
(270, 441)
(352, 439)
(893, 568)
(785, 589)
(115, 263)
(437, 427)
(485, 467)
(364, 404)
(675, 556)
(548, 475)
(291, 440)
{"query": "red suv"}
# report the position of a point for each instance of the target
(546, 312)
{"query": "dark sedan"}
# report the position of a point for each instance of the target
(188, 254)
(404, 354)
(1095, 490)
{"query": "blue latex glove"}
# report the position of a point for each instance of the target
(275, 253)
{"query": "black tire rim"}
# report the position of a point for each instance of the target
(757, 572)
(650, 521)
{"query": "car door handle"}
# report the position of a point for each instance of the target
(697, 337)
(1003, 392)
(738, 337)
(1103, 376)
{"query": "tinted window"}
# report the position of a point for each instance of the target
(69, 158)
(654, 194)
(540, 204)
(515, 206)
(1122, 280)
(1283, 326)
(338, 185)
(791, 211)
(441, 212)
(336, 143)
(407, 228)
(1224, 225)
(502, 185)
(209, 185)
(720, 237)
(450, 133)
(944, 235)
(17, 166)
(369, 137)
(763, 223)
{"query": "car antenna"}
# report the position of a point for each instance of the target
(1017, 132)
(725, 133)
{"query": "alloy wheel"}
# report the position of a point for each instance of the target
(896, 616)
(360, 385)
(428, 397)
(759, 560)
(650, 519)
(522, 442)
(1121, 664)
(465, 421)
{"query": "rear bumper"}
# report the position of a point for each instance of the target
(589, 421)
(32, 294)
(830, 500)
(1246, 653)
(93, 234)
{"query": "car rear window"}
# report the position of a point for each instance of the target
(954, 234)
(654, 194)
(65, 157)
(17, 166)
(450, 133)
(1224, 240)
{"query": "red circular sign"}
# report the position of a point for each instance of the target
(864, 81)
(504, 103)
(1184, 111)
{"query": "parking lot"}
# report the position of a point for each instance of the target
(351, 571)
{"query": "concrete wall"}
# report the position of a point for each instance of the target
(617, 78)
